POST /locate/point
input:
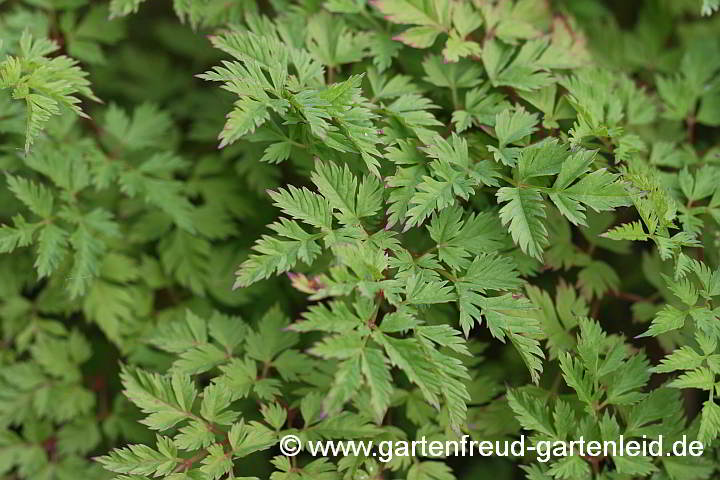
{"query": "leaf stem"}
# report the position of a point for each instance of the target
(690, 121)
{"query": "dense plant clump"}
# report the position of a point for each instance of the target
(223, 222)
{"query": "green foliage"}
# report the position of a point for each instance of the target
(342, 220)
(45, 84)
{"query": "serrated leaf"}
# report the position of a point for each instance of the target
(523, 215)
